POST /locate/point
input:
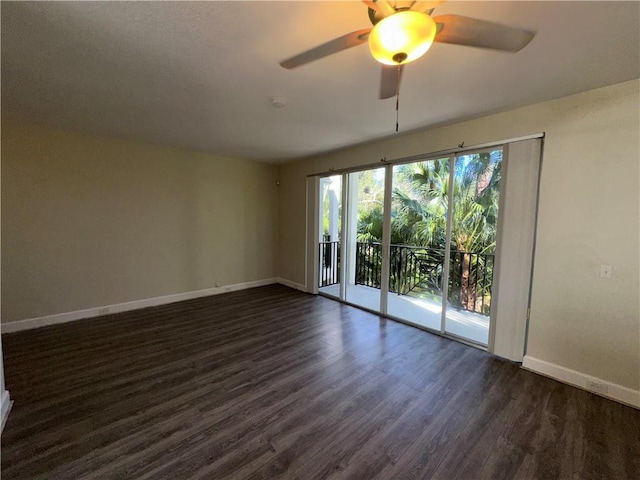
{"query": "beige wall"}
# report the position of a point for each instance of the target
(589, 215)
(90, 221)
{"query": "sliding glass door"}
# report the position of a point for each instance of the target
(418, 239)
(472, 244)
(426, 259)
(363, 240)
(330, 229)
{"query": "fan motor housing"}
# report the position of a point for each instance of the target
(375, 16)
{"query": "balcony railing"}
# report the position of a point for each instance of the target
(329, 263)
(470, 280)
(417, 271)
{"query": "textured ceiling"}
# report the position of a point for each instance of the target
(200, 75)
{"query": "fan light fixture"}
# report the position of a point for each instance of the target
(402, 37)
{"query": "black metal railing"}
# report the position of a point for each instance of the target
(415, 268)
(329, 263)
(368, 264)
(418, 270)
(470, 280)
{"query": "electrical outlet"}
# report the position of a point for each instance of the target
(605, 271)
(597, 387)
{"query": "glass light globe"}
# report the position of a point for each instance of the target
(402, 37)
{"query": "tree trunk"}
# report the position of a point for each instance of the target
(467, 284)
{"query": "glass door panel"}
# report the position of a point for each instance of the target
(418, 241)
(330, 202)
(363, 239)
(476, 192)
(442, 216)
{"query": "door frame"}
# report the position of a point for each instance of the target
(452, 154)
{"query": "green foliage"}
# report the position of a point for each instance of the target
(419, 214)
(370, 225)
(420, 202)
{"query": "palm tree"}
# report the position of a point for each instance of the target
(421, 206)
(474, 221)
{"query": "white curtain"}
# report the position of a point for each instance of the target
(515, 247)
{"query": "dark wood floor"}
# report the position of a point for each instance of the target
(272, 383)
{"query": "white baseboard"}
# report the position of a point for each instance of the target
(290, 284)
(37, 322)
(581, 380)
(5, 408)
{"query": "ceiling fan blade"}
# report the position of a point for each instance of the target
(390, 80)
(425, 6)
(382, 6)
(480, 33)
(336, 45)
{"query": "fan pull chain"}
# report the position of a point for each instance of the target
(397, 98)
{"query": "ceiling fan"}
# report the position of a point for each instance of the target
(403, 31)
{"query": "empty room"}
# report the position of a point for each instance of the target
(313, 239)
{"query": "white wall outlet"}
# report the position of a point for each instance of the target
(605, 271)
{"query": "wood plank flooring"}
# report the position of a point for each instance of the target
(272, 383)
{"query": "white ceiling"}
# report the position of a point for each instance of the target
(199, 75)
